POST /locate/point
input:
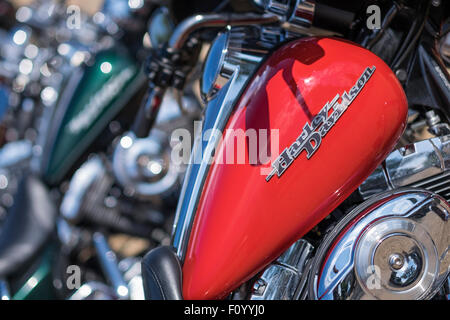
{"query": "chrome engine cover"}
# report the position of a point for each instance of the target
(393, 246)
(424, 164)
(282, 280)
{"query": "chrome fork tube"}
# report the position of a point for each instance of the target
(4, 290)
(109, 265)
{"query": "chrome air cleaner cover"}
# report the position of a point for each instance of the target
(393, 246)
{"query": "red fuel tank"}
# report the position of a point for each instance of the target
(339, 111)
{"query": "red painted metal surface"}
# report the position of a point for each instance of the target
(244, 222)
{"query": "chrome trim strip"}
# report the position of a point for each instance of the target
(193, 185)
(244, 60)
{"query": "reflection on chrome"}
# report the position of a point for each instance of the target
(393, 246)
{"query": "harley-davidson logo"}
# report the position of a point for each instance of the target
(100, 101)
(311, 137)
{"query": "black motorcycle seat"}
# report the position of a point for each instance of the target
(27, 227)
(161, 274)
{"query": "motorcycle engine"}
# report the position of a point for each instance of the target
(394, 246)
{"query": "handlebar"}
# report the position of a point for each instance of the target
(148, 110)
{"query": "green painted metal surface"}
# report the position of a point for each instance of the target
(39, 286)
(104, 89)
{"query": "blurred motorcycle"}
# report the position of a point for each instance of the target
(319, 169)
(337, 187)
